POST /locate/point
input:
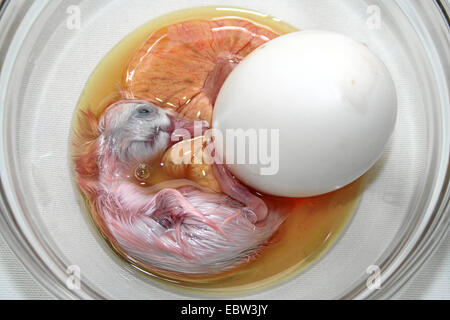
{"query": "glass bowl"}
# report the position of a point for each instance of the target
(46, 58)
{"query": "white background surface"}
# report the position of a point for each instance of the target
(432, 281)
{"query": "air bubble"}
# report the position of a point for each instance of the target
(142, 172)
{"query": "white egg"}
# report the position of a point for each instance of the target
(331, 100)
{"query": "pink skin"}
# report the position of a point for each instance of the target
(255, 208)
(177, 226)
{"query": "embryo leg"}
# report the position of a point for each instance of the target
(256, 209)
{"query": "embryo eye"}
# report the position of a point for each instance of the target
(145, 111)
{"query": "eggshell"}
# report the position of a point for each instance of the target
(331, 100)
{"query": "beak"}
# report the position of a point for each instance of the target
(183, 129)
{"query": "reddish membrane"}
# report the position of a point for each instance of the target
(184, 65)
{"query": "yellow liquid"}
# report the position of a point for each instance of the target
(314, 223)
